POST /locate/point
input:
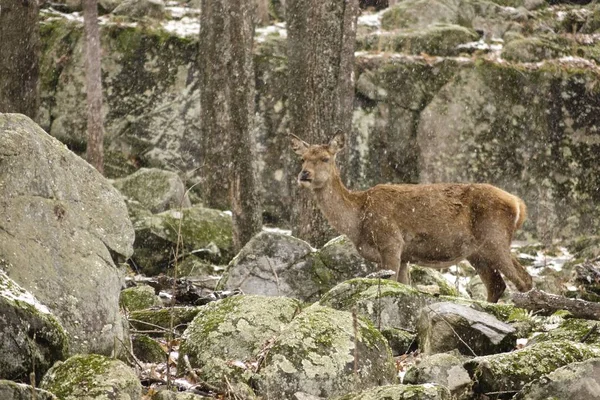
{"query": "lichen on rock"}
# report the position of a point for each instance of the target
(325, 352)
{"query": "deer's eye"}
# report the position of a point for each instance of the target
(325, 159)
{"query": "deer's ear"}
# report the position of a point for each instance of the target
(298, 145)
(337, 142)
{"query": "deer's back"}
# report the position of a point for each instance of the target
(443, 206)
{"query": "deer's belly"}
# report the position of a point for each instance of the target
(437, 252)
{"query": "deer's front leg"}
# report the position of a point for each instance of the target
(391, 258)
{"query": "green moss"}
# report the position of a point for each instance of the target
(138, 298)
(401, 392)
(511, 371)
(147, 349)
(441, 39)
(77, 372)
(571, 329)
(148, 320)
(532, 49)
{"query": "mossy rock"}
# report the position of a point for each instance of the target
(572, 329)
(155, 189)
(169, 395)
(401, 392)
(400, 341)
(139, 298)
(444, 369)
(147, 349)
(509, 372)
(325, 352)
(153, 321)
(386, 303)
(31, 339)
(585, 247)
(421, 276)
(446, 326)
(92, 377)
(233, 330)
(206, 231)
(574, 381)
(418, 14)
(10, 390)
(532, 49)
(439, 40)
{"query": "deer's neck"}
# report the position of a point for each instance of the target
(340, 206)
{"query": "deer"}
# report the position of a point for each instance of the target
(433, 225)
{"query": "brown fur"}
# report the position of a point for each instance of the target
(433, 225)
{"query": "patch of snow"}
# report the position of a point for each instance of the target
(371, 19)
(261, 33)
(17, 293)
(271, 229)
(185, 27)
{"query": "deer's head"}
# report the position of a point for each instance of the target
(318, 161)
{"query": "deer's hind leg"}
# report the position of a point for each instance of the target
(491, 278)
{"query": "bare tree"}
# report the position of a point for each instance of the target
(19, 60)
(227, 104)
(321, 36)
(93, 74)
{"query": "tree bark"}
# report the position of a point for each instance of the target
(539, 300)
(230, 85)
(19, 60)
(214, 54)
(321, 36)
(93, 75)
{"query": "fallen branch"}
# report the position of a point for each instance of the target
(539, 300)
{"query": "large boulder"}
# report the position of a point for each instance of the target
(31, 339)
(509, 372)
(273, 264)
(579, 380)
(155, 189)
(61, 223)
(446, 326)
(92, 377)
(401, 392)
(325, 352)
(388, 304)
(228, 333)
(10, 390)
(203, 231)
(444, 369)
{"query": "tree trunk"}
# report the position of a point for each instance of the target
(228, 100)
(19, 60)
(95, 120)
(321, 36)
(214, 55)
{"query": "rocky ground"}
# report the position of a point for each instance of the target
(129, 288)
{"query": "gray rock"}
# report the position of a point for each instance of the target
(139, 298)
(204, 231)
(446, 326)
(22, 316)
(388, 304)
(510, 372)
(402, 392)
(580, 380)
(274, 264)
(141, 8)
(92, 377)
(324, 353)
(61, 221)
(168, 395)
(10, 390)
(155, 189)
(421, 277)
(147, 349)
(444, 369)
(227, 335)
